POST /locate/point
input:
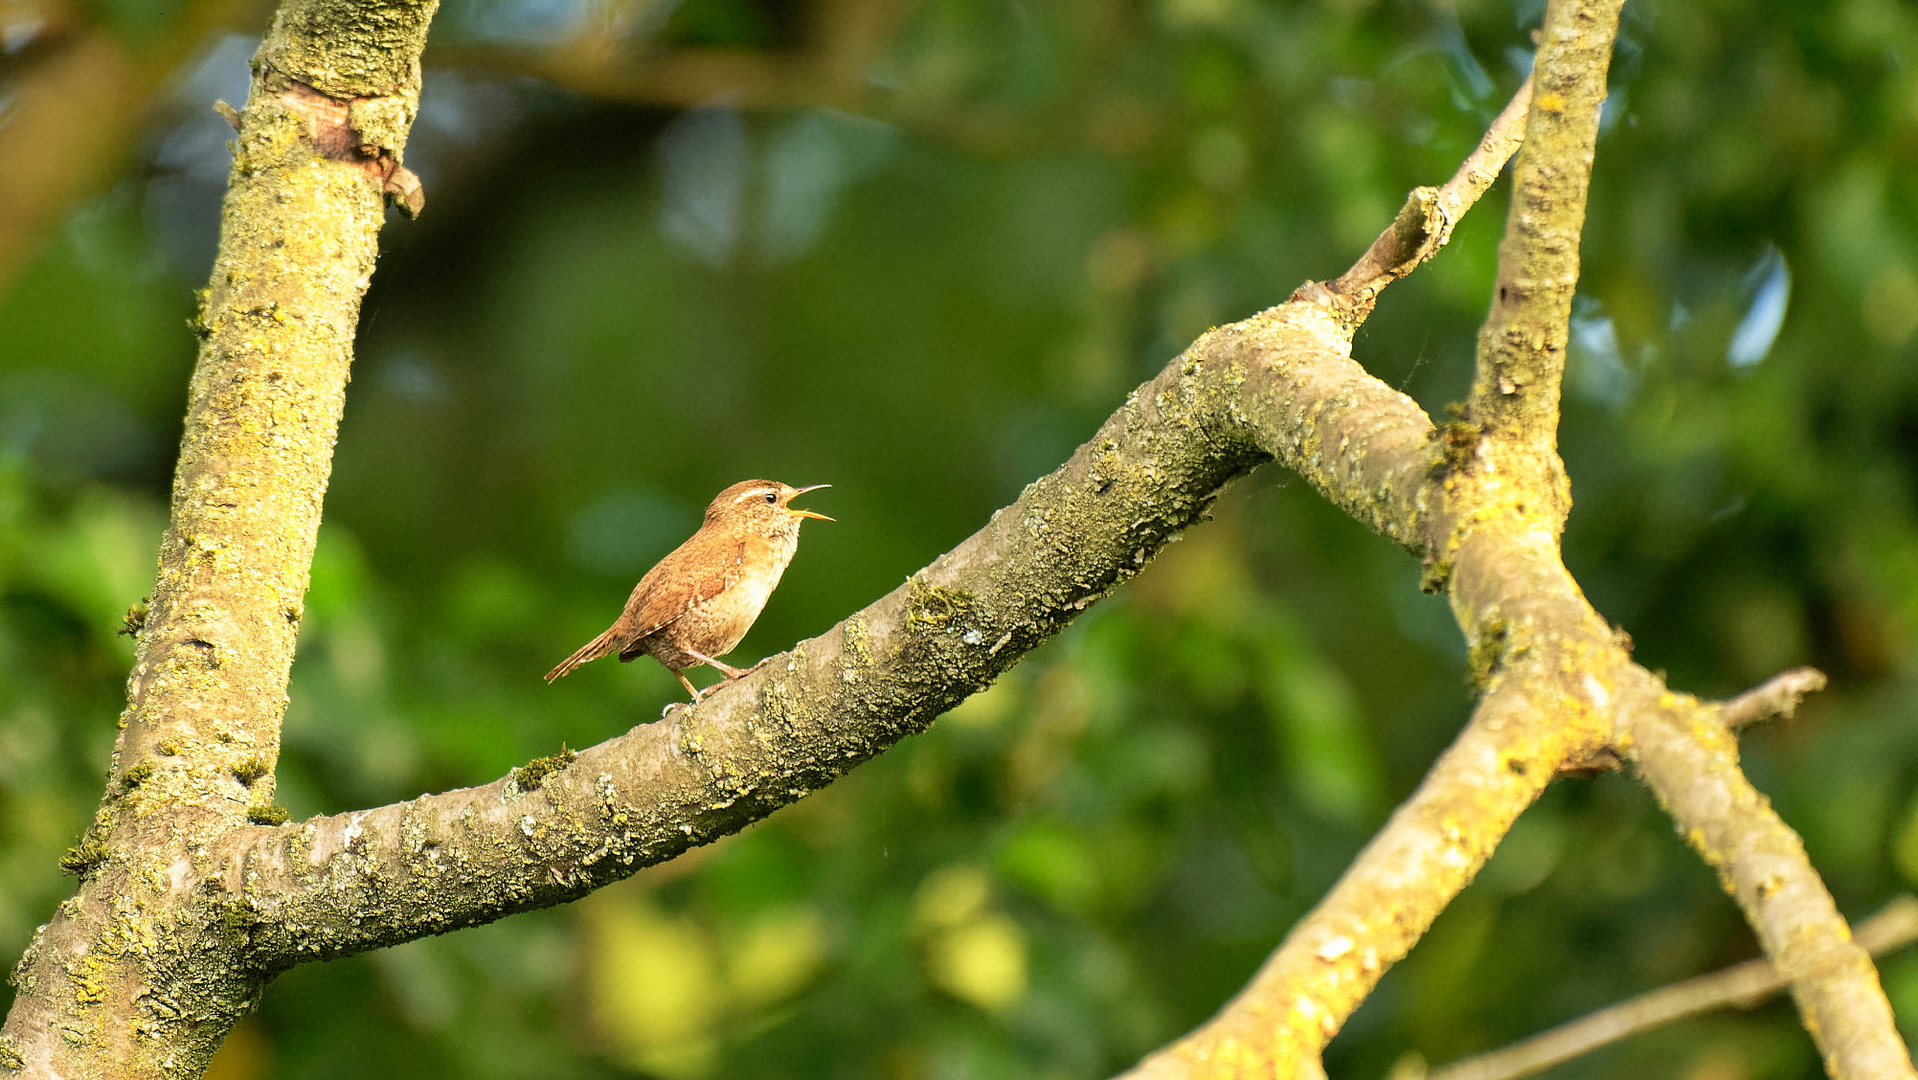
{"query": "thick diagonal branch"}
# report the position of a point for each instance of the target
(1280, 384)
(127, 981)
(355, 881)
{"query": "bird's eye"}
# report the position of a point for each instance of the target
(772, 496)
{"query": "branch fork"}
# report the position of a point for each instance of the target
(189, 910)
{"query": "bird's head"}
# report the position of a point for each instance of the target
(762, 503)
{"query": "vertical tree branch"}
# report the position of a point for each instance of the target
(128, 980)
(1554, 676)
(1521, 348)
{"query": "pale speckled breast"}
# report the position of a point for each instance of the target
(716, 626)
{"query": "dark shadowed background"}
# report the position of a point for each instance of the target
(919, 250)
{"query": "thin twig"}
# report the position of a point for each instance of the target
(1484, 164)
(1777, 697)
(1741, 986)
(1425, 222)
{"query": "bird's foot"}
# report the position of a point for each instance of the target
(727, 670)
(688, 684)
(736, 673)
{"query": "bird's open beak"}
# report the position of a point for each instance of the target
(807, 513)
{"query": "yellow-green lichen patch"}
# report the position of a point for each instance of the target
(238, 918)
(1487, 651)
(858, 640)
(247, 770)
(10, 1058)
(137, 774)
(930, 607)
(777, 705)
(1456, 442)
(381, 122)
(84, 857)
(267, 814)
(531, 775)
(90, 975)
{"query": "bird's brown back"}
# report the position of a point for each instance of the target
(688, 578)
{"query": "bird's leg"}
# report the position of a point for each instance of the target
(730, 671)
(687, 683)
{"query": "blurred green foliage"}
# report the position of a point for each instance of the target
(610, 312)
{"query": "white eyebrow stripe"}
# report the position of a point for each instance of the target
(756, 493)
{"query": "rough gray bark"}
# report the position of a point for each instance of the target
(186, 910)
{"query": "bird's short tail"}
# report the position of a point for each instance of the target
(592, 650)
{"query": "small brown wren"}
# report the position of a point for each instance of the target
(696, 603)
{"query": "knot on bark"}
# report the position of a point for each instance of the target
(368, 133)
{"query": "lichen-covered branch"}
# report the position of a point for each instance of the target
(354, 881)
(1558, 681)
(1521, 350)
(1553, 674)
(1553, 679)
(186, 910)
(1690, 761)
(1279, 384)
(1301, 397)
(1741, 986)
(1561, 691)
(127, 981)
